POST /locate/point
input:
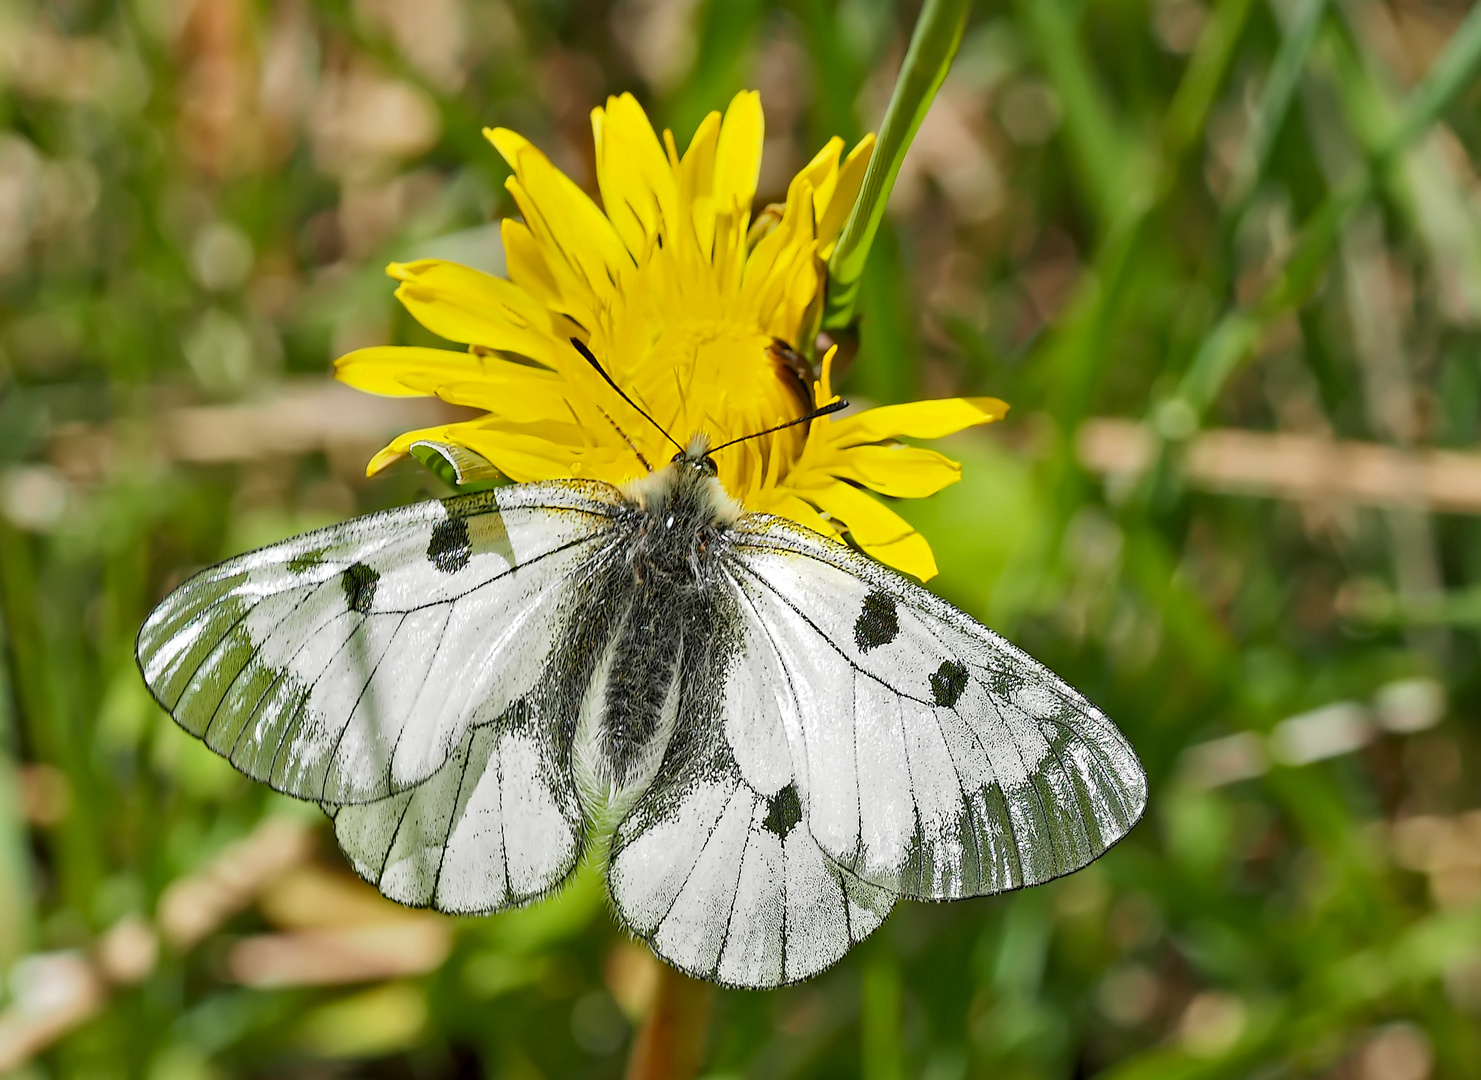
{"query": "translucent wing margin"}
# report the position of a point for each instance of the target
(346, 665)
(933, 758)
(722, 879)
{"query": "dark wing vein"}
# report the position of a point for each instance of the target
(350, 716)
(451, 820)
(829, 641)
(216, 712)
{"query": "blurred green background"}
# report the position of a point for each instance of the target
(1222, 256)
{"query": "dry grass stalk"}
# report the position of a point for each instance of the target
(1301, 468)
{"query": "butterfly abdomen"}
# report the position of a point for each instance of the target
(640, 687)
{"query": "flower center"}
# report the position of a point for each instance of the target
(721, 378)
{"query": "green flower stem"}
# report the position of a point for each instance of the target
(48, 728)
(938, 34)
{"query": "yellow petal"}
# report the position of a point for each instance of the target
(462, 304)
(910, 554)
(406, 371)
(513, 395)
(822, 173)
(876, 528)
(902, 472)
(571, 228)
(738, 153)
(845, 194)
(697, 168)
(781, 266)
(785, 504)
(522, 452)
(511, 391)
(916, 420)
(526, 265)
(823, 388)
(522, 458)
(636, 181)
(399, 371)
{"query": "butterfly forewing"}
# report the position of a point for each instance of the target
(346, 664)
(934, 758)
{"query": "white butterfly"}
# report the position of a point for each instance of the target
(773, 735)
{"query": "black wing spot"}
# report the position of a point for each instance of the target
(359, 582)
(302, 564)
(783, 812)
(450, 548)
(947, 683)
(878, 623)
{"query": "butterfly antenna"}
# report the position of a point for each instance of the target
(831, 407)
(597, 364)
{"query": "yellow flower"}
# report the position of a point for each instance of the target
(693, 309)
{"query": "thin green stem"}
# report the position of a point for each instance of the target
(15, 868)
(938, 34)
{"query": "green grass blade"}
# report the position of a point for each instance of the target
(1101, 154)
(1235, 337)
(16, 899)
(1447, 78)
(1205, 74)
(1275, 98)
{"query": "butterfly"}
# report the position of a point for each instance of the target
(769, 736)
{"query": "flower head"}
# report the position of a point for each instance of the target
(695, 309)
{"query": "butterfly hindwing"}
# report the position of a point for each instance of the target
(934, 758)
(497, 825)
(722, 877)
(346, 665)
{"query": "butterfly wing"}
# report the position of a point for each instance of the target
(720, 874)
(347, 664)
(933, 758)
(500, 822)
(496, 826)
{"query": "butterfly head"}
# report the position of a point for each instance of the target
(686, 494)
(696, 456)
